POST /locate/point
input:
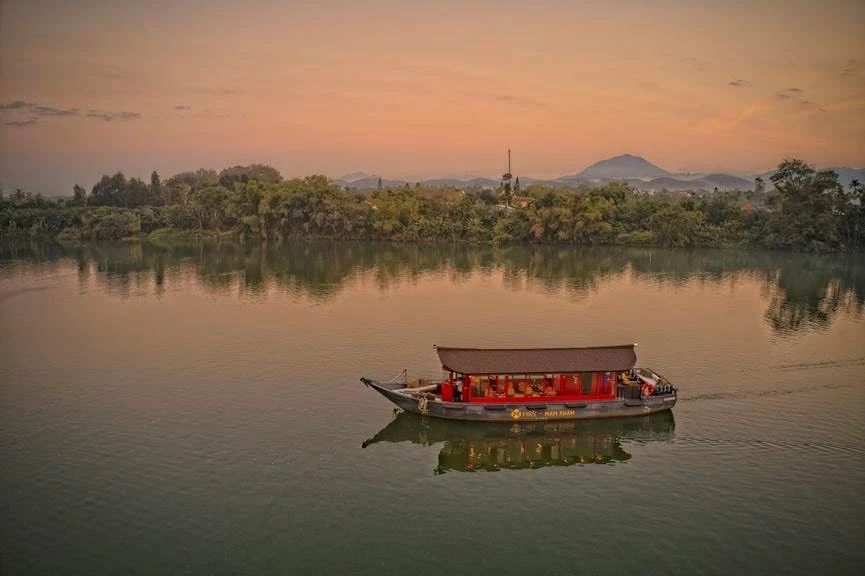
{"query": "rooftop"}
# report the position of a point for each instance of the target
(537, 360)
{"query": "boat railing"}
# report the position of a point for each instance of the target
(631, 386)
(627, 392)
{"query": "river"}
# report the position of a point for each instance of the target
(196, 409)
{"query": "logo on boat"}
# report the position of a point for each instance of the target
(516, 413)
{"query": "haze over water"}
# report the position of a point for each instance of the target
(197, 410)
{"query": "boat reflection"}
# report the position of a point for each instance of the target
(473, 446)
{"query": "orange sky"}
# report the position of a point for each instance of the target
(402, 90)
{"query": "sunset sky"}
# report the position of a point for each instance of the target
(416, 90)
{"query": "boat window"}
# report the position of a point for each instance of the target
(519, 384)
(572, 385)
(496, 387)
(587, 379)
(479, 384)
(535, 385)
(607, 381)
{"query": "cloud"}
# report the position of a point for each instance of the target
(183, 107)
(39, 111)
(16, 105)
(112, 116)
(852, 68)
(519, 101)
(505, 99)
(208, 113)
(740, 83)
(51, 111)
(789, 94)
(218, 91)
(28, 122)
(694, 63)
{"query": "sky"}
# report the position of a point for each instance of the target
(416, 90)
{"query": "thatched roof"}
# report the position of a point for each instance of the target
(537, 360)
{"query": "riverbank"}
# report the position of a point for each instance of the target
(807, 210)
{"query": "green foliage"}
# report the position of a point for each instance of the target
(79, 195)
(676, 227)
(806, 210)
(261, 173)
(178, 188)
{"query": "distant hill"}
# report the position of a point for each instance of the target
(457, 183)
(368, 182)
(619, 168)
(847, 175)
(707, 182)
(371, 183)
(635, 170)
(564, 182)
(355, 176)
(729, 182)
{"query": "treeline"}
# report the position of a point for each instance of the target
(804, 209)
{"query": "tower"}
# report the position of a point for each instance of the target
(506, 181)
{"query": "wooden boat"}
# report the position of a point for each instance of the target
(474, 446)
(543, 384)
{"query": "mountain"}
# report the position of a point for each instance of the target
(847, 175)
(635, 170)
(371, 183)
(354, 176)
(728, 182)
(618, 168)
(478, 182)
(707, 182)
(367, 182)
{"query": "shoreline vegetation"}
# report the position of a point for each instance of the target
(800, 209)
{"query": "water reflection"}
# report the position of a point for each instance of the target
(801, 291)
(474, 446)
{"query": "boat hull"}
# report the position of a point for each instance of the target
(532, 411)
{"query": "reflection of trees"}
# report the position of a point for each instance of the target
(471, 446)
(810, 291)
(577, 270)
(802, 290)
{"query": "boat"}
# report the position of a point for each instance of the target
(534, 385)
(473, 446)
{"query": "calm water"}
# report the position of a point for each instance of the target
(198, 410)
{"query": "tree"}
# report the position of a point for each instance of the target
(79, 195)
(109, 190)
(156, 195)
(804, 203)
(856, 215)
(209, 206)
(676, 227)
(261, 173)
(179, 187)
(135, 193)
(759, 186)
